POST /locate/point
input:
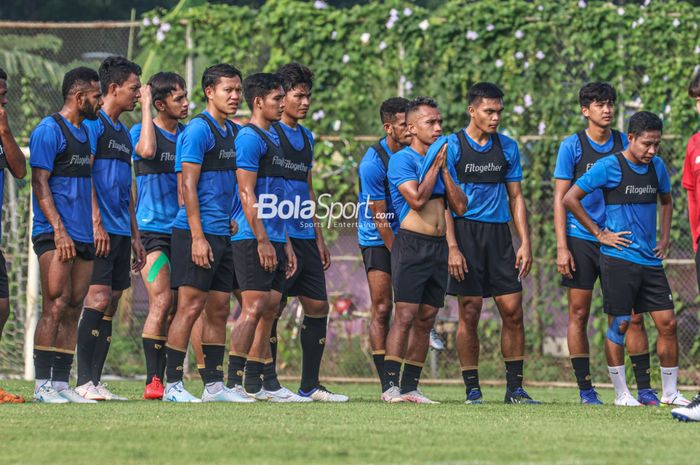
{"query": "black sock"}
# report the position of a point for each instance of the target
(175, 365)
(213, 363)
(514, 374)
(236, 365)
(313, 341)
(253, 376)
(202, 371)
(62, 363)
(582, 370)
(269, 376)
(273, 340)
(641, 364)
(101, 349)
(471, 379)
(88, 334)
(162, 357)
(43, 361)
(392, 372)
(410, 377)
(379, 365)
(152, 350)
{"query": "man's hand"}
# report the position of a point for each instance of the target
(324, 253)
(523, 261)
(102, 245)
(565, 263)
(139, 255)
(661, 249)
(64, 245)
(441, 157)
(146, 98)
(233, 227)
(456, 263)
(612, 239)
(291, 260)
(202, 255)
(4, 124)
(268, 257)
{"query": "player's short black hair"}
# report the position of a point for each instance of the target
(213, 74)
(3, 74)
(596, 92)
(163, 83)
(391, 107)
(643, 121)
(77, 78)
(295, 74)
(259, 85)
(482, 90)
(413, 105)
(116, 70)
(694, 86)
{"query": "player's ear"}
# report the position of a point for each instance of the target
(159, 104)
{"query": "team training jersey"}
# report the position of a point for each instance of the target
(568, 158)
(487, 199)
(111, 172)
(70, 183)
(691, 183)
(408, 165)
(297, 189)
(254, 153)
(639, 218)
(156, 182)
(3, 165)
(374, 186)
(217, 180)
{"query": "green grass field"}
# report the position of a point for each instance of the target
(364, 431)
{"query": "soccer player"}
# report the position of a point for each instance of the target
(691, 183)
(262, 256)
(578, 252)
(62, 237)
(306, 237)
(421, 186)
(632, 276)
(156, 207)
(482, 261)
(11, 157)
(115, 228)
(379, 224)
(202, 268)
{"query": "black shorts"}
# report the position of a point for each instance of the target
(153, 241)
(586, 256)
(184, 272)
(4, 283)
(376, 257)
(309, 280)
(419, 264)
(488, 249)
(628, 286)
(114, 270)
(250, 275)
(43, 243)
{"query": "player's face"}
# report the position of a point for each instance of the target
(600, 114)
(397, 130)
(644, 146)
(297, 101)
(271, 105)
(485, 113)
(425, 124)
(128, 94)
(89, 100)
(176, 105)
(226, 95)
(3, 92)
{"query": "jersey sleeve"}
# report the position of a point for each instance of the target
(372, 176)
(514, 172)
(95, 128)
(662, 175)
(45, 142)
(401, 170)
(566, 160)
(135, 134)
(193, 143)
(249, 149)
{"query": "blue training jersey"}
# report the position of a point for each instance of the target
(640, 219)
(72, 196)
(568, 157)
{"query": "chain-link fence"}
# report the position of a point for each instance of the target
(36, 58)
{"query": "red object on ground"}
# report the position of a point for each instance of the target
(154, 390)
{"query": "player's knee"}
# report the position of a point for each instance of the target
(382, 312)
(256, 309)
(668, 328)
(71, 315)
(578, 315)
(636, 323)
(101, 300)
(513, 320)
(617, 328)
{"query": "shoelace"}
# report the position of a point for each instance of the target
(321, 387)
(695, 402)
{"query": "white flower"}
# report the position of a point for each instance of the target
(518, 110)
(364, 38)
(334, 34)
(490, 27)
(621, 11)
(665, 78)
(541, 128)
(676, 22)
(408, 86)
(519, 34)
(667, 109)
(540, 55)
(146, 22)
(527, 100)
(582, 4)
(346, 58)
(165, 27)
(640, 21)
(540, 8)
(317, 115)
(407, 12)
(634, 24)
(526, 65)
(160, 36)
(591, 65)
(336, 125)
(382, 45)
(472, 35)
(645, 79)
(393, 12)
(697, 49)
(156, 20)
(390, 22)
(647, 2)
(424, 24)
(499, 63)
(637, 102)
(320, 5)
(519, 55)
(696, 69)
